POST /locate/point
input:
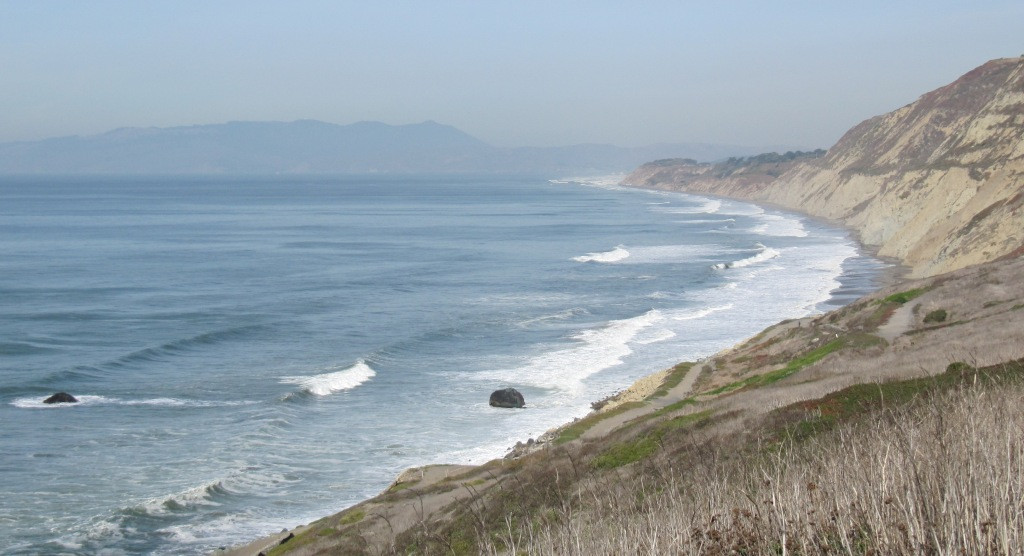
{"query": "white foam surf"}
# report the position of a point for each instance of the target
(765, 254)
(707, 221)
(654, 254)
(610, 181)
(656, 335)
(612, 256)
(87, 400)
(780, 226)
(709, 206)
(700, 313)
(741, 209)
(559, 316)
(202, 495)
(335, 381)
(676, 253)
(595, 350)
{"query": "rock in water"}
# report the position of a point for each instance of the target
(61, 397)
(507, 397)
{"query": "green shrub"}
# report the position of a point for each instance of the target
(625, 453)
(938, 315)
(353, 517)
(577, 428)
(795, 365)
(640, 448)
(904, 297)
(958, 367)
(674, 377)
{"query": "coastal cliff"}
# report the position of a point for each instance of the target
(938, 184)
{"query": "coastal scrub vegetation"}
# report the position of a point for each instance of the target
(642, 447)
(580, 426)
(927, 465)
(733, 164)
(674, 378)
(903, 297)
(932, 465)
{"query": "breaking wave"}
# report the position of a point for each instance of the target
(700, 313)
(765, 254)
(595, 350)
(710, 206)
(707, 221)
(780, 226)
(87, 400)
(559, 316)
(335, 381)
(612, 256)
(657, 254)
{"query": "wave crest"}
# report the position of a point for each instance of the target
(177, 347)
(87, 400)
(701, 313)
(612, 256)
(765, 254)
(781, 226)
(336, 381)
(707, 206)
(594, 350)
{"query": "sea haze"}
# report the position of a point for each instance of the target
(255, 354)
(312, 147)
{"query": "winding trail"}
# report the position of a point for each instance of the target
(898, 324)
(678, 393)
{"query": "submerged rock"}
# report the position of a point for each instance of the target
(507, 397)
(61, 397)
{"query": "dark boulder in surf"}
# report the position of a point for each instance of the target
(61, 397)
(507, 397)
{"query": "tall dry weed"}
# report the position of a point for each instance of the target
(944, 475)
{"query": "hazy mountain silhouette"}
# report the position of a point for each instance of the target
(313, 147)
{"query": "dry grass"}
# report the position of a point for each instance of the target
(942, 475)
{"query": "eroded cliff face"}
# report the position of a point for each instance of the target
(938, 183)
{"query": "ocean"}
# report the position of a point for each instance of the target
(252, 354)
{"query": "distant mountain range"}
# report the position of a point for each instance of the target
(314, 147)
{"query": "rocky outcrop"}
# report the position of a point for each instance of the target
(61, 397)
(507, 397)
(938, 184)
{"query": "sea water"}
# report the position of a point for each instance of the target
(253, 354)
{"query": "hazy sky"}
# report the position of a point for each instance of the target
(511, 73)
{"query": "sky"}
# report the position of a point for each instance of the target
(512, 73)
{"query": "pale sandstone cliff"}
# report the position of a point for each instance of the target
(938, 183)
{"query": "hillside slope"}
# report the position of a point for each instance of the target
(938, 184)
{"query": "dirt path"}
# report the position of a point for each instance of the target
(900, 321)
(680, 392)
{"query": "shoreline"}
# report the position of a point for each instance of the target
(776, 383)
(899, 272)
(892, 272)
